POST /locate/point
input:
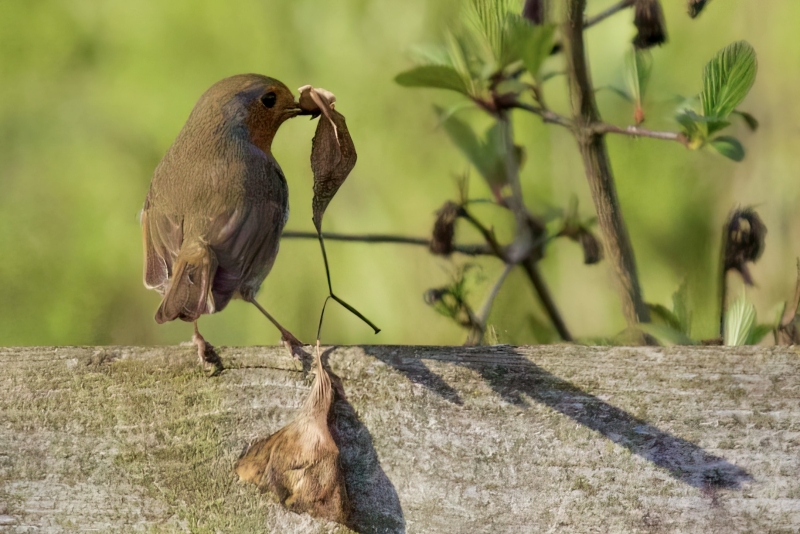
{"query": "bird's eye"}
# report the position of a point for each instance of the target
(269, 99)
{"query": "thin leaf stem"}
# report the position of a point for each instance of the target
(636, 131)
(334, 297)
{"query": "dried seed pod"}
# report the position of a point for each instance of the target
(744, 233)
(592, 250)
(534, 11)
(538, 233)
(696, 6)
(649, 20)
(444, 229)
(299, 464)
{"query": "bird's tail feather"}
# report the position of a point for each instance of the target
(189, 293)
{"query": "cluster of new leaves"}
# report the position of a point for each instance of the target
(451, 300)
(673, 327)
(741, 327)
(743, 243)
(485, 54)
(727, 79)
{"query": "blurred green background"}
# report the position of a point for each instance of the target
(94, 91)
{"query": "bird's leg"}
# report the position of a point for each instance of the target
(208, 356)
(294, 344)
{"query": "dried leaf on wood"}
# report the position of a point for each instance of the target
(299, 464)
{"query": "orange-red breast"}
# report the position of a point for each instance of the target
(218, 203)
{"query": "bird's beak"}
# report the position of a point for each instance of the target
(293, 111)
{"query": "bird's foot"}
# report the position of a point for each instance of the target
(294, 345)
(209, 358)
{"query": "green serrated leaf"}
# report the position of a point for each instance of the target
(669, 318)
(715, 124)
(494, 156)
(465, 139)
(728, 146)
(751, 121)
(433, 76)
(739, 320)
(727, 79)
(535, 49)
(486, 155)
(666, 335)
(758, 332)
(446, 113)
(431, 55)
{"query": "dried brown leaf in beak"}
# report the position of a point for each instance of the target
(333, 156)
(316, 101)
(299, 464)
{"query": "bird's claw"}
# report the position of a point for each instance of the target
(294, 345)
(209, 358)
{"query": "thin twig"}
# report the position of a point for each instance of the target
(602, 127)
(532, 270)
(467, 250)
(547, 116)
(549, 305)
(479, 330)
(332, 295)
(636, 131)
(596, 19)
(603, 15)
(488, 235)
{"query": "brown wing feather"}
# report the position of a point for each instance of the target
(162, 238)
(189, 293)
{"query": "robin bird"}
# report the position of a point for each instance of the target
(217, 205)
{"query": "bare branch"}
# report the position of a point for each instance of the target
(487, 234)
(597, 166)
(636, 131)
(547, 116)
(602, 127)
(549, 305)
(603, 15)
(467, 250)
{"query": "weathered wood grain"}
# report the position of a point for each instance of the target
(434, 439)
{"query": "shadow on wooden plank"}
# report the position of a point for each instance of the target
(516, 376)
(374, 500)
